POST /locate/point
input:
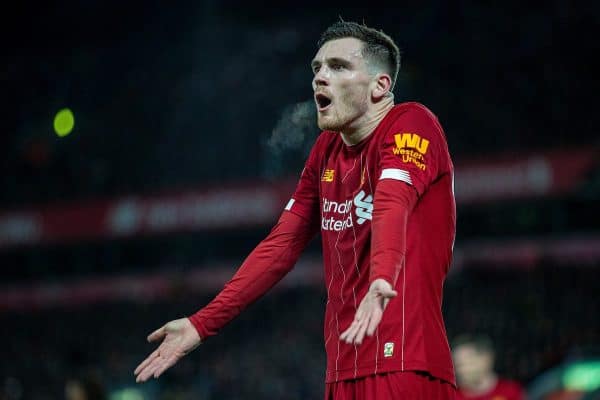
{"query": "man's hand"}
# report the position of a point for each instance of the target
(369, 312)
(179, 338)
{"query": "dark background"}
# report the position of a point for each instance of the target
(179, 95)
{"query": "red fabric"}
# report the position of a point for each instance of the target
(266, 265)
(391, 386)
(504, 390)
(394, 200)
(337, 188)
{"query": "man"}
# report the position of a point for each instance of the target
(474, 361)
(378, 185)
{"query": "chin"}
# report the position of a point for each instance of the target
(327, 125)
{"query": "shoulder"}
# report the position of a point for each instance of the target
(413, 113)
(412, 123)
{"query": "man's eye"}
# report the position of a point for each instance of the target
(337, 67)
(315, 70)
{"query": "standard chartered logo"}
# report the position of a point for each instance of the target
(343, 216)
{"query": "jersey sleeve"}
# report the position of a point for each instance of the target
(272, 258)
(270, 261)
(393, 203)
(414, 150)
(305, 200)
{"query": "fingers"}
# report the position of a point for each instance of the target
(356, 332)
(157, 334)
(360, 334)
(155, 367)
(147, 371)
(360, 313)
(157, 363)
(349, 334)
(368, 316)
(146, 362)
(387, 293)
(166, 364)
(374, 322)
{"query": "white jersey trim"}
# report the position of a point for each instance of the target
(395, 173)
(289, 205)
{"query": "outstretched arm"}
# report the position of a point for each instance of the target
(270, 261)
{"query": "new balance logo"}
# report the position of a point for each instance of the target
(328, 175)
(343, 217)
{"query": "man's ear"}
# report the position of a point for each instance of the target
(383, 84)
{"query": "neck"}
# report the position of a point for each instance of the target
(367, 123)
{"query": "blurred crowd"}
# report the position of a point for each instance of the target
(534, 319)
(165, 99)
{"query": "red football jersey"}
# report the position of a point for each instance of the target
(503, 390)
(337, 189)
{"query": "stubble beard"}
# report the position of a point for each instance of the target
(332, 120)
(342, 114)
(328, 123)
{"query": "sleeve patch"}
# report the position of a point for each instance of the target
(395, 173)
(411, 148)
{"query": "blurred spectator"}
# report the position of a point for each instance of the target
(85, 387)
(474, 364)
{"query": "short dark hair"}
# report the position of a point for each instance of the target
(377, 45)
(480, 342)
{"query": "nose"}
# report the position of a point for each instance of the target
(320, 78)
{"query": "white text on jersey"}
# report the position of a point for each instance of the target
(363, 208)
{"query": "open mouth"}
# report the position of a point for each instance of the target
(323, 102)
